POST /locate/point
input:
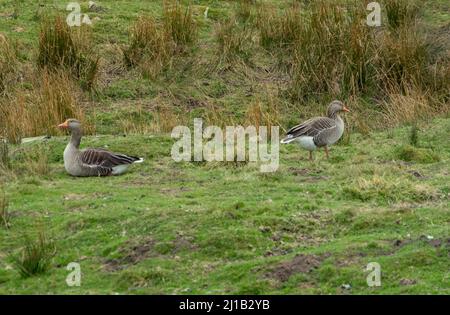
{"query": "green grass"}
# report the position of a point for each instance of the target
(220, 228)
(191, 228)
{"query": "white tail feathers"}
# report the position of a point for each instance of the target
(288, 139)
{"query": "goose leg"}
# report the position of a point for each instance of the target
(326, 151)
(310, 156)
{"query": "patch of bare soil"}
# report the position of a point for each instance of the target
(299, 171)
(303, 263)
(433, 242)
(192, 103)
(308, 175)
(132, 256)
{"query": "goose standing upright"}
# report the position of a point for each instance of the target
(319, 132)
(92, 162)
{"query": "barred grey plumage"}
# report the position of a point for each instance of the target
(319, 131)
(92, 162)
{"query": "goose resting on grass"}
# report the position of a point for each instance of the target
(92, 162)
(319, 132)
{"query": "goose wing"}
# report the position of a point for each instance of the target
(312, 127)
(106, 159)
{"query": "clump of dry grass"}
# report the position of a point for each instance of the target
(63, 48)
(179, 23)
(244, 10)
(38, 112)
(279, 30)
(5, 216)
(333, 52)
(408, 106)
(150, 47)
(4, 154)
(403, 59)
(263, 113)
(166, 118)
(400, 12)
(8, 64)
(234, 41)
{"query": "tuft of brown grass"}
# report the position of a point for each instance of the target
(403, 59)
(400, 12)
(63, 48)
(279, 30)
(408, 106)
(4, 154)
(39, 112)
(179, 23)
(150, 47)
(8, 64)
(244, 10)
(5, 216)
(165, 118)
(333, 52)
(234, 41)
(265, 113)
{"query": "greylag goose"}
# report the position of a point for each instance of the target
(319, 132)
(92, 162)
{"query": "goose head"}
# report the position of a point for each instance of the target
(71, 124)
(335, 108)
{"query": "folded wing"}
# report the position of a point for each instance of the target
(104, 161)
(311, 127)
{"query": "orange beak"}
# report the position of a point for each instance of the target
(345, 109)
(64, 125)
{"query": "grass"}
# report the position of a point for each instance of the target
(39, 112)
(35, 257)
(400, 12)
(409, 153)
(166, 53)
(234, 41)
(4, 154)
(175, 229)
(150, 47)
(5, 216)
(8, 64)
(212, 228)
(179, 23)
(60, 47)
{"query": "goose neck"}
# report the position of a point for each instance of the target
(76, 138)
